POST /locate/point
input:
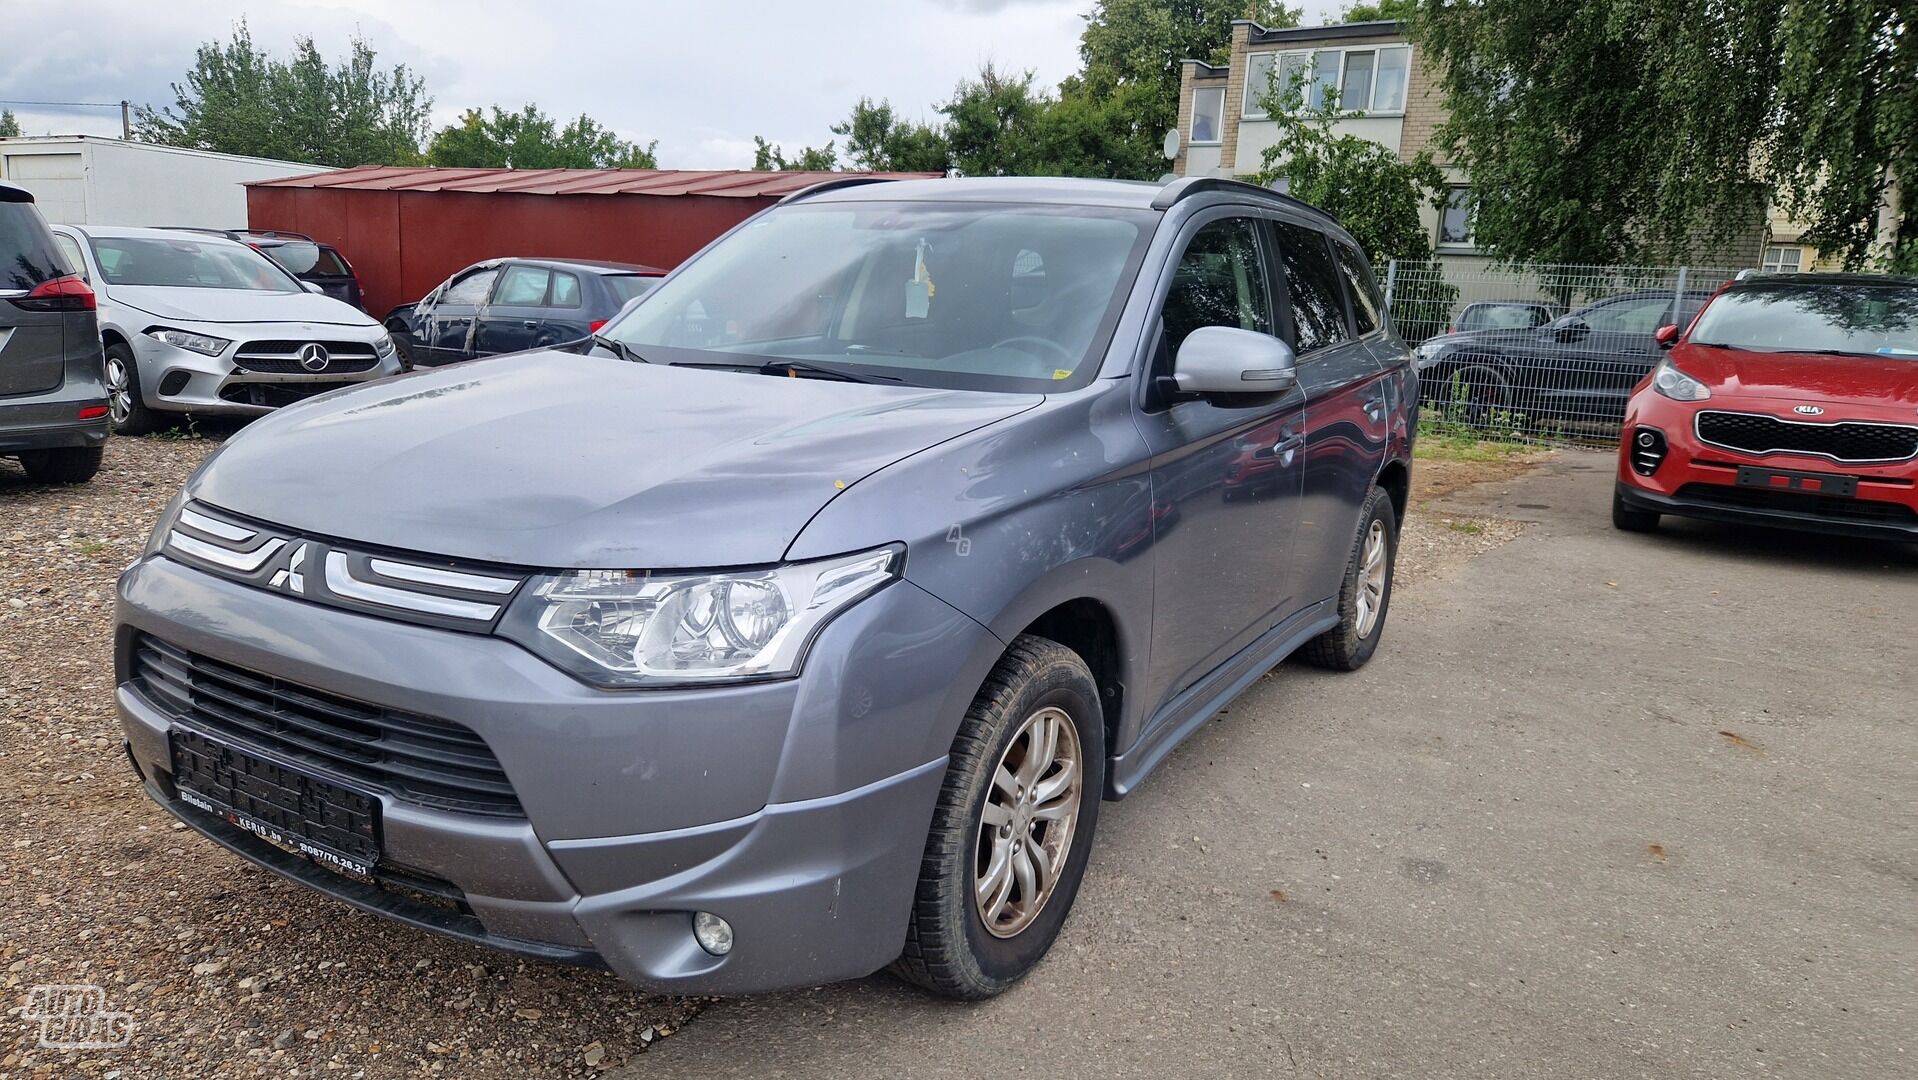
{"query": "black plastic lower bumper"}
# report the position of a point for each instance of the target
(1635, 499)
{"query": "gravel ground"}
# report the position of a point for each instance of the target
(225, 969)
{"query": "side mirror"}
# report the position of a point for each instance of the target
(312, 288)
(1227, 360)
(1666, 336)
(1570, 327)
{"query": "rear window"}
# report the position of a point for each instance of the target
(1503, 317)
(628, 286)
(330, 264)
(27, 254)
(1867, 318)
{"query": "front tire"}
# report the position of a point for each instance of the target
(1367, 592)
(1626, 519)
(67, 465)
(126, 405)
(1013, 826)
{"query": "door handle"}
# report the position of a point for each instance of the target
(1375, 407)
(1287, 447)
(530, 324)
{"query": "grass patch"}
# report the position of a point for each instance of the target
(1436, 444)
(1469, 528)
(90, 547)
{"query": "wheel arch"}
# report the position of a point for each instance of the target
(1088, 627)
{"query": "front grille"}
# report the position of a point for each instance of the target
(419, 759)
(1868, 511)
(1850, 441)
(283, 357)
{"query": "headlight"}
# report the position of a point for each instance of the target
(633, 628)
(1677, 385)
(383, 345)
(182, 339)
(1427, 352)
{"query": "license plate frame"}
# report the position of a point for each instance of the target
(1836, 485)
(332, 824)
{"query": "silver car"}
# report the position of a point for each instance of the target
(200, 324)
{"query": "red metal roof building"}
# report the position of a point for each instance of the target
(407, 229)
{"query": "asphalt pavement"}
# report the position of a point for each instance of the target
(1603, 805)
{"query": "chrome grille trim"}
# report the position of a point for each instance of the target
(340, 579)
(451, 579)
(1698, 420)
(337, 574)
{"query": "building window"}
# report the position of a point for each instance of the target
(1370, 81)
(1784, 259)
(1455, 223)
(1208, 109)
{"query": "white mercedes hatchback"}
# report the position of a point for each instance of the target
(200, 324)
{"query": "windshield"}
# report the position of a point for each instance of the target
(1866, 318)
(193, 264)
(994, 297)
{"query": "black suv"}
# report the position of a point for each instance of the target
(506, 305)
(53, 395)
(302, 256)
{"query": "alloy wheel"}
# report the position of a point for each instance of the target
(119, 390)
(1371, 596)
(1026, 825)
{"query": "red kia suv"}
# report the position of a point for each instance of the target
(1792, 401)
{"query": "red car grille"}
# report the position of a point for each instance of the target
(1849, 441)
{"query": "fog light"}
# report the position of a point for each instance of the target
(1648, 450)
(713, 933)
(1646, 438)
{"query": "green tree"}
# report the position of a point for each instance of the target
(1847, 140)
(992, 124)
(877, 138)
(1607, 131)
(238, 100)
(1380, 11)
(1126, 97)
(529, 139)
(767, 157)
(9, 124)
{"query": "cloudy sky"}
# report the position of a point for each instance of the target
(702, 78)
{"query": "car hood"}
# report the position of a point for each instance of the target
(1868, 381)
(555, 459)
(236, 305)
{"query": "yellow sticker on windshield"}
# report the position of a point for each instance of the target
(1060, 373)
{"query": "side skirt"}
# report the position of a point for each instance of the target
(1189, 711)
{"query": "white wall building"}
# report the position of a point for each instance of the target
(89, 180)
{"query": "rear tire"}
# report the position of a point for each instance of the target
(1366, 595)
(67, 465)
(1004, 764)
(1626, 519)
(126, 402)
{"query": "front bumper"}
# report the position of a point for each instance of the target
(1699, 480)
(173, 379)
(795, 810)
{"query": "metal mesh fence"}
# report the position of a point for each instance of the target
(1538, 354)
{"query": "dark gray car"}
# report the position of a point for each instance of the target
(53, 398)
(798, 624)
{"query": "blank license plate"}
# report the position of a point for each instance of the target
(1809, 483)
(334, 826)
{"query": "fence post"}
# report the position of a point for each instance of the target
(1678, 298)
(1391, 278)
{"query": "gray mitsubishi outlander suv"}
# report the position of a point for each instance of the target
(796, 624)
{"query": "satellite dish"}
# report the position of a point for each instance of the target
(1171, 146)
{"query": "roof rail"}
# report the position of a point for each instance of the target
(833, 185)
(1187, 186)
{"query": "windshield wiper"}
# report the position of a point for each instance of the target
(620, 349)
(774, 367)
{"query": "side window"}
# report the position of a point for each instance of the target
(523, 286)
(70, 250)
(565, 291)
(1312, 281)
(471, 289)
(1219, 282)
(1367, 305)
(1628, 316)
